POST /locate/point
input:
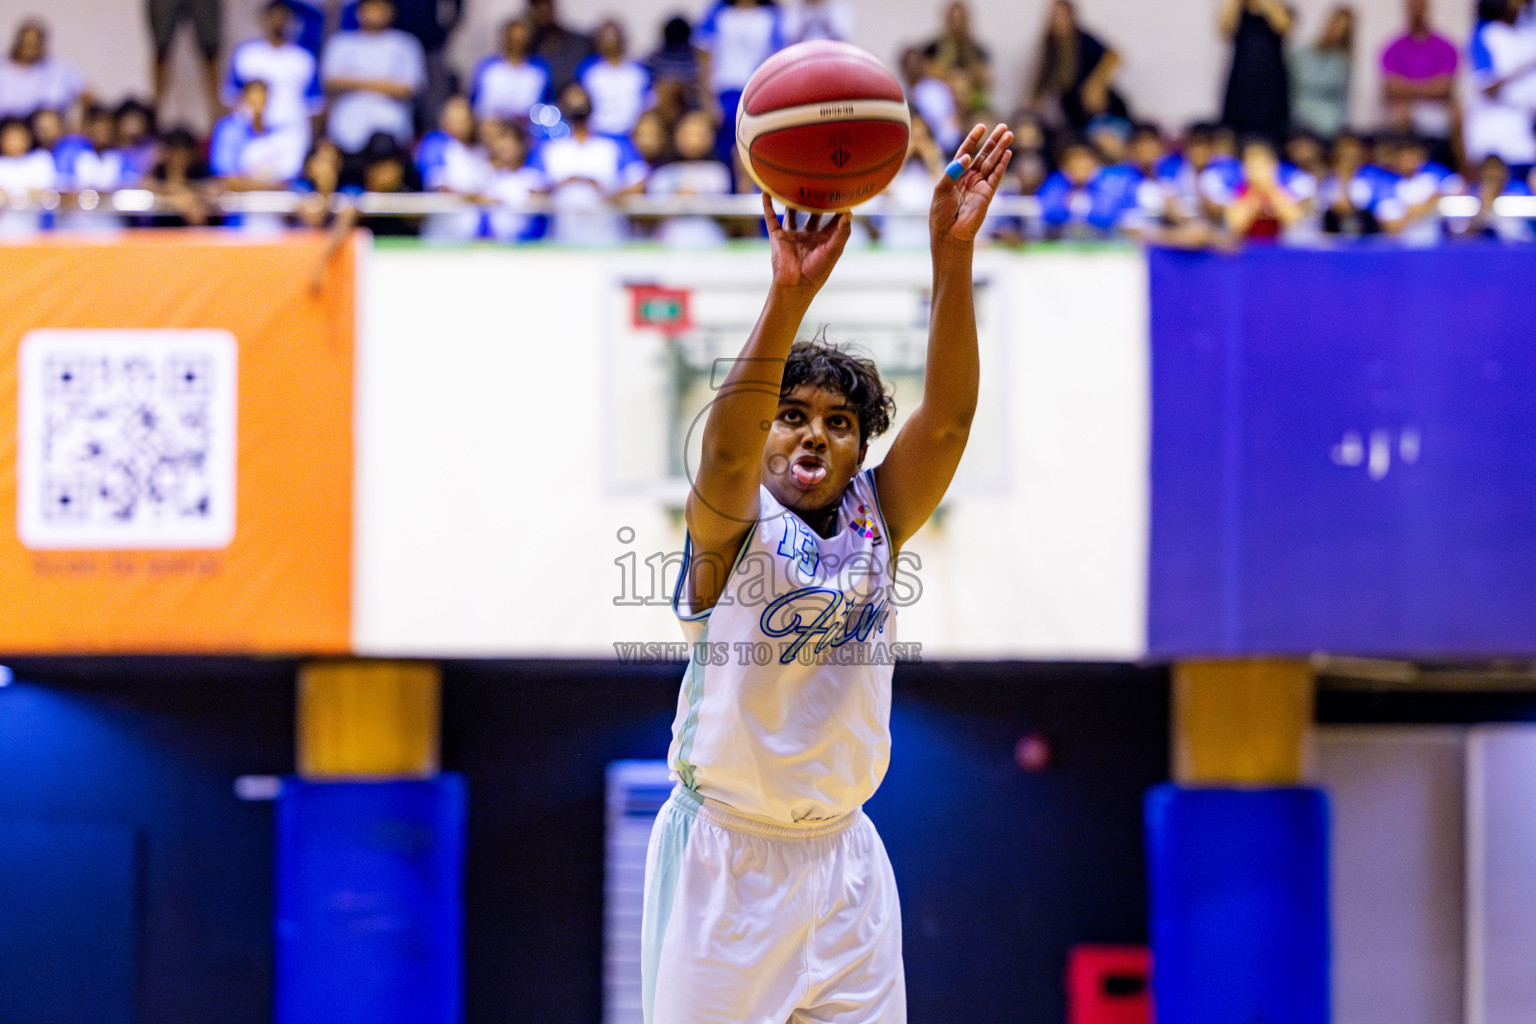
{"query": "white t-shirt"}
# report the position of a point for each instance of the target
(463, 170)
(690, 177)
(104, 172)
(737, 40)
(806, 736)
(509, 90)
(20, 176)
(618, 93)
(512, 189)
(831, 19)
(391, 55)
(1403, 193)
(25, 88)
(912, 191)
(936, 102)
(293, 81)
(583, 215)
(1501, 125)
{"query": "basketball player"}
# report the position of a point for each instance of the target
(769, 897)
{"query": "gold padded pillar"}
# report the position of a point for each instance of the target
(368, 719)
(1241, 723)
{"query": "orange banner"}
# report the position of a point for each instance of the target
(176, 445)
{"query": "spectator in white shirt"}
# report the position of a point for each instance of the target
(507, 84)
(619, 86)
(586, 172)
(932, 98)
(26, 175)
(695, 172)
(909, 194)
(512, 184)
(733, 39)
(31, 80)
(372, 76)
(1498, 118)
(818, 19)
(47, 127)
(290, 71)
(450, 160)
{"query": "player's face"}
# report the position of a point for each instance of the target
(813, 449)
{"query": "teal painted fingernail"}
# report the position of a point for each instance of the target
(955, 169)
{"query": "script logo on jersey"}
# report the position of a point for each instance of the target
(841, 620)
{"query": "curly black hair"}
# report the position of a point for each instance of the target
(857, 379)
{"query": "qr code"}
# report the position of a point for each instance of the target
(126, 439)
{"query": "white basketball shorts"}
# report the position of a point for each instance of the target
(752, 923)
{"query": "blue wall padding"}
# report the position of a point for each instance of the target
(1341, 452)
(1239, 905)
(69, 921)
(369, 902)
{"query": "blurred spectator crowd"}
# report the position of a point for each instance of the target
(550, 134)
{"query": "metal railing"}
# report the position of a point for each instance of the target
(144, 202)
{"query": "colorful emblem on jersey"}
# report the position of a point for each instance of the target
(864, 523)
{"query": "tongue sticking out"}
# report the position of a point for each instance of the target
(808, 474)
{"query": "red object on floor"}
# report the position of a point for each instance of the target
(1109, 985)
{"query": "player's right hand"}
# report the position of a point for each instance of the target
(804, 255)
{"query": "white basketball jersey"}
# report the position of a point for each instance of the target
(786, 703)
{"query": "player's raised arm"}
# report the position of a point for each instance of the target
(923, 458)
(723, 503)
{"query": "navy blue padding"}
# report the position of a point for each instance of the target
(1341, 452)
(1239, 905)
(369, 902)
(69, 922)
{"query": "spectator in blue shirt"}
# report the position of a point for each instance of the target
(1492, 183)
(248, 153)
(1068, 204)
(92, 168)
(136, 139)
(1204, 176)
(1410, 206)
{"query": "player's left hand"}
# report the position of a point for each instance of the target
(960, 204)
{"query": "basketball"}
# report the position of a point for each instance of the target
(822, 126)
